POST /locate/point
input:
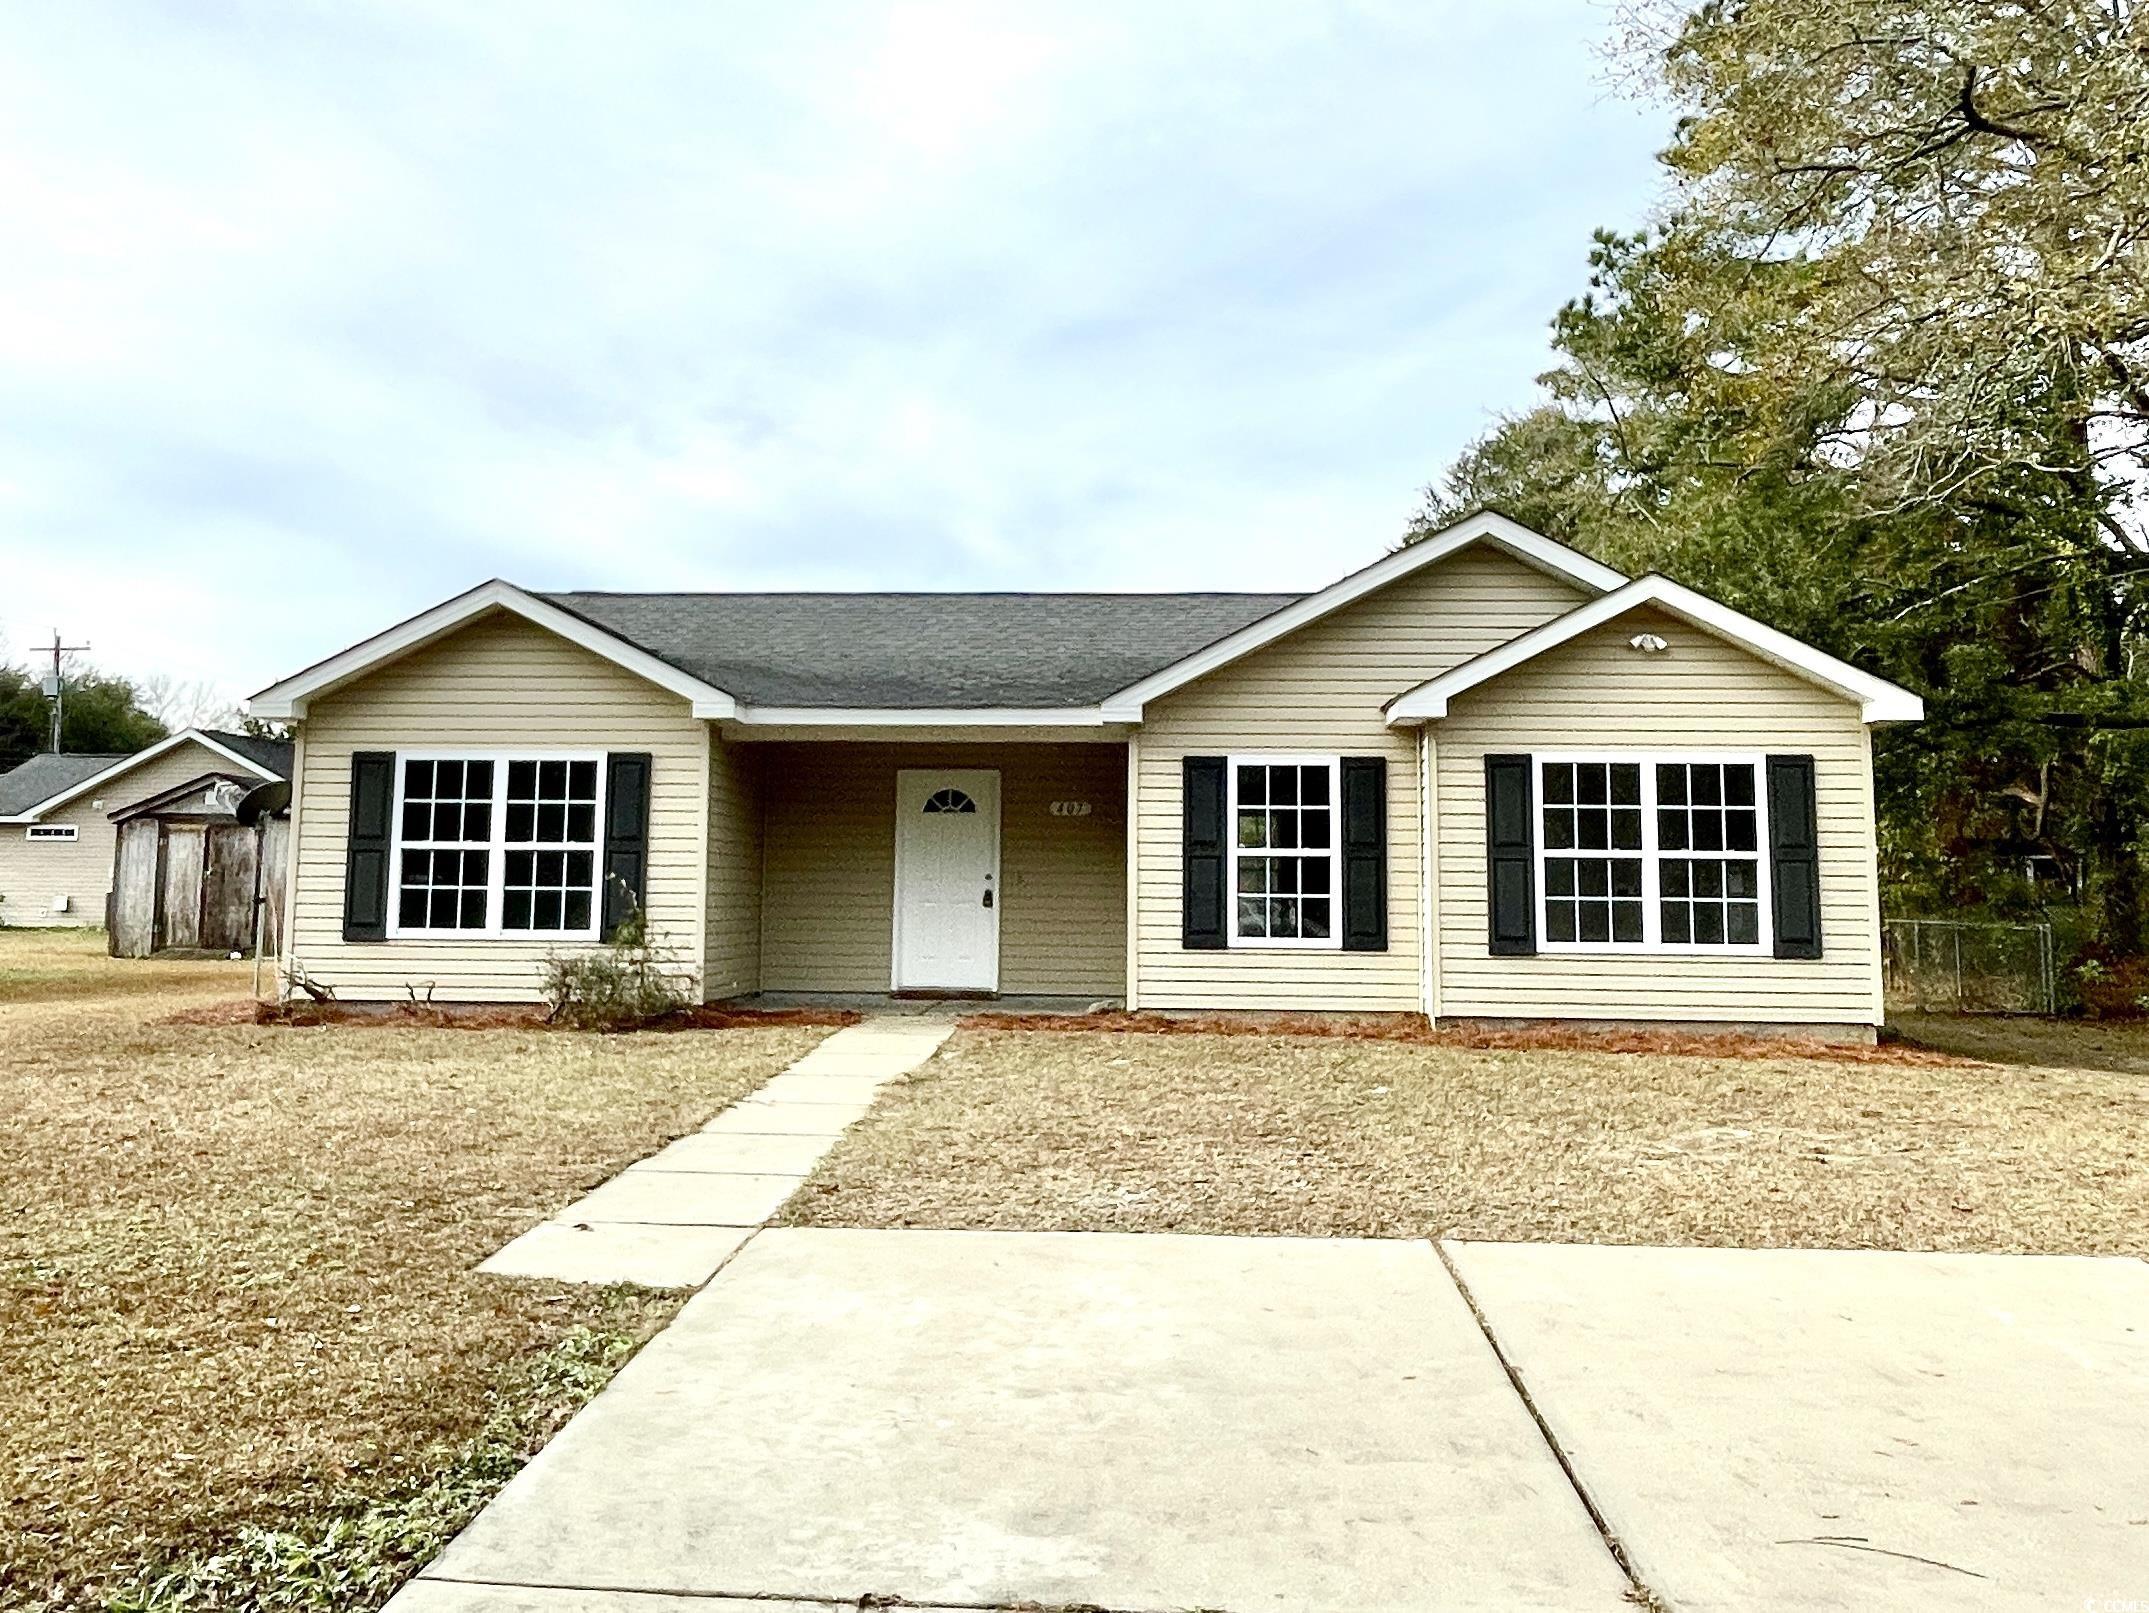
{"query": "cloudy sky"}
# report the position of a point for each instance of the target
(311, 316)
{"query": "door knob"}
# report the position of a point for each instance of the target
(988, 898)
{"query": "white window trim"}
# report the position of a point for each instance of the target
(1652, 942)
(1333, 942)
(496, 858)
(52, 834)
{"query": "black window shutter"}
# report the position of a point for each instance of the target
(1511, 857)
(1365, 854)
(365, 851)
(1794, 850)
(1201, 897)
(626, 837)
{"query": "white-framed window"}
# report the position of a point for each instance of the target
(1286, 861)
(1652, 851)
(497, 844)
(52, 831)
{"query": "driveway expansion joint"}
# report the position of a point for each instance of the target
(1643, 1595)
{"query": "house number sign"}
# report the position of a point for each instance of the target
(1070, 809)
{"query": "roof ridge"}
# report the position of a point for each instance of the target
(919, 593)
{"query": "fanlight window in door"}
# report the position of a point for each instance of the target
(949, 801)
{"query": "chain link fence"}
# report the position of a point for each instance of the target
(1962, 966)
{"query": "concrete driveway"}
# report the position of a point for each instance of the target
(1150, 1423)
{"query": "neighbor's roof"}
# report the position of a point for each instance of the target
(48, 781)
(923, 651)
(45, 775)
(273, 754)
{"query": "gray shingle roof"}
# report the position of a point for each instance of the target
(911, 651)
(273, 754)
(45, 775)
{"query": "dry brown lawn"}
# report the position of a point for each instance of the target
(235, 1261)
(1321, 1136)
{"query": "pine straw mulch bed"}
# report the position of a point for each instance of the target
(1413, 1030)
(1389, 1136)
(236, 1281)
(492, 1016)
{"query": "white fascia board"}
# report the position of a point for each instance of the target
(924, 717)
(287, 700)
(1879, 700)
(1531, 548)
(127, 764)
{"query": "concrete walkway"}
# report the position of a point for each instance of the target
(672, 1219)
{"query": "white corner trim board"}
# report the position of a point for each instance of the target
(1531, 548)
(287, 700)
(127, 764)
(1879, 700)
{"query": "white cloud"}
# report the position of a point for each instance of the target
(311, 316)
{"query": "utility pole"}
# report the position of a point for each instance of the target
(55, 686)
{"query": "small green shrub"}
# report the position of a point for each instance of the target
(632, 982)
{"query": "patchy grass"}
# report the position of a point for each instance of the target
(356, 1551)
(1199, 1133)
(2119, 1046)
(70, 964)
(236, 1285)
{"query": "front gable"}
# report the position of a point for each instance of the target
(488, 602)
(1694, 617)
(1344, 668)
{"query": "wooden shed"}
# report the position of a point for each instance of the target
(189, 868)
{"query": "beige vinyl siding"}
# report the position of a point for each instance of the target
(495, 684)
(1320, 691)
(1701, 693)
(828, 895)
(33, 872)
(733, 966)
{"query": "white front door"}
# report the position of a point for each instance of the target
(947, 879)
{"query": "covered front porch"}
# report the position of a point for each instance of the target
(861, 868)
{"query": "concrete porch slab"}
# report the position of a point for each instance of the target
(734, 1152)
(1138, 1422)
(1770, 1430)
(683, 1198)
(651, 1256)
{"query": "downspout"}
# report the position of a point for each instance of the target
(1134, 929)
(289, 950)
(1428, 887)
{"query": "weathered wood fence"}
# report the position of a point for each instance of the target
(182, 884)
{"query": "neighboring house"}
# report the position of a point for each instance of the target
(59, 815)
(1485, 777)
